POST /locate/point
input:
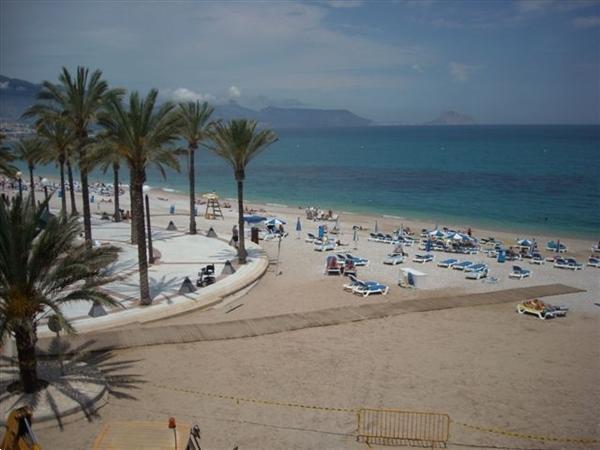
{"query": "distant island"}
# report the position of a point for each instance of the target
(16, 95)
(452, 118)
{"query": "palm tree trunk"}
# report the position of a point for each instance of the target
(191, 170)
(85, 197)
(71, 189)
(32, 185)
(63, 198)
(116, 192)
(133, 218)
(25, 336)
(137, 207)
(242, 246)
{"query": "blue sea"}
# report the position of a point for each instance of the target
(538, 178)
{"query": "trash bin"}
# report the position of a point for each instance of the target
(92, 198)
(254, 235)
(172, 209)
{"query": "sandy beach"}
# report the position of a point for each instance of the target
(484, 366)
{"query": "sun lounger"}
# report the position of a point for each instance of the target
(462, 265)
(536, 258)
(448, 263)
(556, 247)
(477, 271)
(519, 273)
(354, 282)
(332, 266)
(357, 260)
(567, 263)
(596, 248)
(349, 267)
(393, 260)
(310, 238)
(593, 261)
(542, 310)
(428, 257)
(324, 246)
(366, 288)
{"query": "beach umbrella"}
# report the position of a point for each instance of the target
(437, 233)
(298, 227)
(254, 219)
(355, 237)
(275, 221)
(376, 227)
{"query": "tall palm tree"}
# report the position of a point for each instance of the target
(58, 140)
(140, 132)
(72, 187)
(238, 142)
(194, 118)
(6, 157)
(41, 269)
(30, 151)
(79, 100)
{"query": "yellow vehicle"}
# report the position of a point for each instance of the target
(18, 434)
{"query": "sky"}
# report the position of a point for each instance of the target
(405, 61)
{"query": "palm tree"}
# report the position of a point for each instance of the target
(58, 139)
(6, 168)
(139, 133)
(238, 142)
(194, 119)
(79, 100)
(42, 268)
(30, 151)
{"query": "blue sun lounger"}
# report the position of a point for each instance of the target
(448, 263)
(462, 265)
(519, 273)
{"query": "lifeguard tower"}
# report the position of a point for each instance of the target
(213, 208)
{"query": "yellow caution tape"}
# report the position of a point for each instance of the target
(531, 437)
(254, 400)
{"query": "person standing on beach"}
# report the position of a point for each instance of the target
(234, 236)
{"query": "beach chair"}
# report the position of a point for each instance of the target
(323, 246)
(354, 282)
(332, 266)
(567, 263)
(366, 288)
(349, 267)
(519, 273)
(477, 271)
(428, 257)
(462, 265)
(357, 260)
(536, 258)
(392, 260)
(311, 238)
(542, 310)
(556, 247)
(448, 263)
(593, 261)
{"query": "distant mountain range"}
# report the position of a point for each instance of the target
(452, 118)
(16, 95)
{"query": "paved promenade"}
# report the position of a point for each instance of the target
(155, 335)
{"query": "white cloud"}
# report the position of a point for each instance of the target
(587, 22)
(461, 72)
(4, 84)
(187, 95)
(344, 3)
(234, 92)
